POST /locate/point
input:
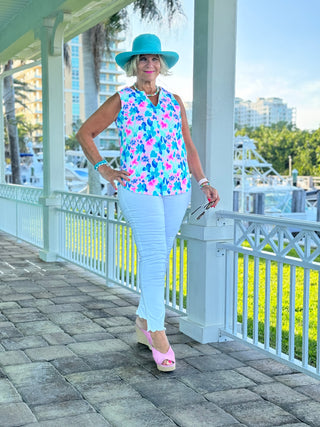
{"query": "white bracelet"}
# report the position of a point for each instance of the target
(203, 180)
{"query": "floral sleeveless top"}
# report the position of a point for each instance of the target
(152, 148)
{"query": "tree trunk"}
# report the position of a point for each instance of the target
(10, 115)
(91, 103)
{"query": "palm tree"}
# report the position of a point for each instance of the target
(11, 124)
(98, 39)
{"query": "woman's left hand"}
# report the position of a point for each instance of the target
(211, 194)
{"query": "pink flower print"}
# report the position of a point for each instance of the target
(128, 132)
(163, 124)
(140, 135)
(152, 183)
(184, 181)
(143, 104)
(129, 121)
(170, 157)
(166, 116)
(151, 141)
(168, 166)
(134, 162)
(131, 171)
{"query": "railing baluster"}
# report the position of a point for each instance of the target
(318, 327)
(235, 294)
(174, 274)
(292, 311)
(267, 306)
(256, 301)
(245, 298)
(305, 328)
(181, 274)
(128, 258)
(279, 310)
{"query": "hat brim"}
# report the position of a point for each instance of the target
(171, 58)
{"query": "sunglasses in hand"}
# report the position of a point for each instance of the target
(202, 209)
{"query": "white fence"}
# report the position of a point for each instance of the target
(272, 269)
(21, 213)
(95, 236)
(272, 287)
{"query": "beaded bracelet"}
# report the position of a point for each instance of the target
(102, 162)
(205, 184)
(202, 181)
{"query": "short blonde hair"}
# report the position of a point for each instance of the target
(131, 66)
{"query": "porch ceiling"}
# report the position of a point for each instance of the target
(20, 21)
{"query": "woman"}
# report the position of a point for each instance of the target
(156, 156)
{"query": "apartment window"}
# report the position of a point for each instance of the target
(75, 98)
(112, 88)
(75, 50)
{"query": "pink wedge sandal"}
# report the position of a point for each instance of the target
(159, 358)
(143, 337)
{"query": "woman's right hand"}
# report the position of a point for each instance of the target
(113, 175)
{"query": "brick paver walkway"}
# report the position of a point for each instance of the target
(68, 357)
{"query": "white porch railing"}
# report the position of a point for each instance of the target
(272, 267)
(95, 236)
(272, 287)
(21, 213)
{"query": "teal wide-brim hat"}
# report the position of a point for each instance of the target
(147, 44)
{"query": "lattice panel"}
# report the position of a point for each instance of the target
(20, 193)
(281, 240)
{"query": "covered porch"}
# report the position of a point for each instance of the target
(75, 236)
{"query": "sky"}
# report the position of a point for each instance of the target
(278, 45)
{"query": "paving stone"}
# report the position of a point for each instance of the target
(18, 297)
(57, 338)
(260, 413)
(69, 365)
(134, 413)
(61, 308)
(202, 348)
(110, 360)
(312, 391)
(8, 305)
(25, 317)
(38, 328)
(8, 330)
(115, 330)
(103, 346)
(255, 375)
(182, 369)
(214, 362)
(67, 317)
(296, 380)
(166, 393)
(71, 299)
(278, 393)
(84, 420)
(206, 382)
(246, 355)
(230, 346)
(183, 339)
(92, 377)
(23, 343)
(15, 414)
(104, 392)
(307, 412)
(113, 321)
(44, 393)
(82, 328)
(200, 414)
(96, 336)
(62, 409)
(8, 393)
(121, 311)
(31, 374)
(270, 367)
(14, 357)
(183, 350)
(228, 397)
(48, 353)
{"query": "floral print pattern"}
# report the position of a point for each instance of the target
(152, 148)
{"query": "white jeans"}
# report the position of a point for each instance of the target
(155, 221)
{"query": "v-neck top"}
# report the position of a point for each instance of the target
(152, 148)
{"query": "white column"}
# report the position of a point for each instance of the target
(212, 129)
(53, 131)
(2, 150)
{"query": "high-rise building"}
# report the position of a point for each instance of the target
(110, 75)
(265, 111)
